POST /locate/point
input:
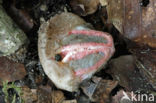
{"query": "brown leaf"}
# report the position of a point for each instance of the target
(98, 90)
(21, 17)
(124, 70)
(146, 62)
(84, 7)
(57, 96)
(103, 90)
(44, 94)
(10, 70)
(89, 87)
(69, 101)
(135, 21)
(29, 95)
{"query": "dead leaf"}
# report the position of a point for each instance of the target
(29, 95)
(124, 70)
(69, 101)
(146, 62)
(57, 96)
(21, 17)
(82, 98)
(44, 94)
(10, 70)
(134, 21)
(98, 90)
(103, 90)
(84, 7)
(89, 87)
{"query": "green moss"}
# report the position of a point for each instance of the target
(7, 86)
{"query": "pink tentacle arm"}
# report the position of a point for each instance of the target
(94, 67)
(80, 50)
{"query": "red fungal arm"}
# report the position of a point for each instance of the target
(94, 67)
(80, 50)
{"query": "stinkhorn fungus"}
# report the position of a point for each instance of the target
(71, 51)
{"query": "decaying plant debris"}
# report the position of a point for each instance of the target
(135, 19)
(131, 23)
(84, 7)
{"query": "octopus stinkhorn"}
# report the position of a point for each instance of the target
(71, 51)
